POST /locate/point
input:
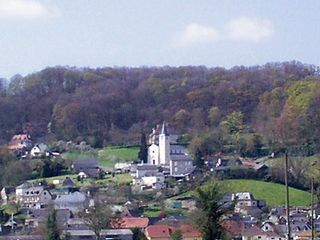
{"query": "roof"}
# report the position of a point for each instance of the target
(233, 227)
(42, 147)
(253, 231)
(142, 167)
(180, 157)
(249, 164)
(75, 197)
(85, 162)
(103, 232)
(131, 222)
(158, 231)
(22, 237)
(164, 129)
(68, 182)
(243, 196)
(62, 215)
(165, 231)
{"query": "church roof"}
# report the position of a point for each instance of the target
(164, 129)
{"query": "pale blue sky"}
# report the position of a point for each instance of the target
(35, 34)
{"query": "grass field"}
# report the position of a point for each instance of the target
(118, 179)
(108, 156)
(272, 193)
(111, 155)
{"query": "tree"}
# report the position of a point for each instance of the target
(176, 235)
(52, 230)
(207, 218)
(198, 158)
(97, 218)
(143, 153)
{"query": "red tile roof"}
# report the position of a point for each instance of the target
(233, 227)
(165, 231)
(158, 231)
(131, 222)
(249, 164)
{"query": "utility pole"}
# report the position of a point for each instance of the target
(312, 210)
(287, 196)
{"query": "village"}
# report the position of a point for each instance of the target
(152, 200)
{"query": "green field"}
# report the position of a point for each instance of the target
(107, 156)
(118, 179)
(272, 193)
(111, 155)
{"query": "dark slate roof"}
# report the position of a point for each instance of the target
(68, 183)
(85, 164)
(181, 157)
(164, 129)
(146, 167)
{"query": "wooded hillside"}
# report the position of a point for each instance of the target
(276, 104)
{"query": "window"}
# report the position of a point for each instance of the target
(176, 169)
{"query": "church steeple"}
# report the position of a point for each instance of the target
(164, 129)
(164, 145)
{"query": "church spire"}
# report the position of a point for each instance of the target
(164, 129)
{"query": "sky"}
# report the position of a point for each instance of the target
(35, 34)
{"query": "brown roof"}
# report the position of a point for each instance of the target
(165, 231)
(131, 222)
(252, 231)
(233, 227)
(158, 231)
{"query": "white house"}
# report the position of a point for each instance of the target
(40, 150)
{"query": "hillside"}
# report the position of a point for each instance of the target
(109, 106)
(272, 193)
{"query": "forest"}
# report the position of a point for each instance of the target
(252, 110)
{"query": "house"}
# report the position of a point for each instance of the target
(155, 182)
(7, 194)
(89, 166)
(75, 202)
(40, 150)
(20, 142)
(69, 185)
(123, 167)
(145, 170)
(131, 222)
(108, 234)
(164, 232)
(181, 165)
(233, 228)
(32, 195)
(36, 217)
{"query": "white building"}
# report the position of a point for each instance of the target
(160, 154)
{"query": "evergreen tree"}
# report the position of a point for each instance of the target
(207, 218)
(143, 153)
(198, 158)
(52, 227)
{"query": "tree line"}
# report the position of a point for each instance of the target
(243, 109)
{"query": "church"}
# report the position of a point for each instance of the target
(162, 152)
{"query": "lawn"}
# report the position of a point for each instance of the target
(107, 156)
(118, 179)
(111, 155)
(272, 193)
